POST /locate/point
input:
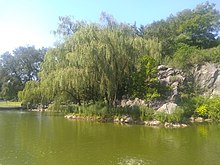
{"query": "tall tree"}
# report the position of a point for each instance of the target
(18, 68)
(95, 63)
(198, 27)
(67, 26)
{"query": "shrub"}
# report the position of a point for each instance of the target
(146, 113)
(188, 106)
(202, 110)
(97, 109)
(161, 116)
(214, 109)
(70, 108)
(208, 107)
(184, 56)
(214, 114)
(177, 116)
(56, 107)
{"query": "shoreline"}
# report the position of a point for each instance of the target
(129, 121)
(11, 108)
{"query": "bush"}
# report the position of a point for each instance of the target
(134, 111)
(97, 109)
(177, 116)
(71, 108)
(214, 109)
(161, 116)
(146, 113)
(208, 107)
(202, 110)
(214, 114)
(184, 56)
(56, 107)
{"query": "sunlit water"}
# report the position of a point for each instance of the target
(34, 138)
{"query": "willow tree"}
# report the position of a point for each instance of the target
(95, 63)
(107, 55)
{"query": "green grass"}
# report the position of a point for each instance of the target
(8, 104)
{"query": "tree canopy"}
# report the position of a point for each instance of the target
(17, 68)
(197, 27)
(95, 63)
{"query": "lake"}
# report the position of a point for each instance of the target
(35, 138)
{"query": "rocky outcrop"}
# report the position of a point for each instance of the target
(168, 108)
(207, 78)
(172, 78)
(168, 77)
(131, 103)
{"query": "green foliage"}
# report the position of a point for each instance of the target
(146, 113)
(206, 107)
(164, 30)
(56, 107)
(144, 80)
(18, 68)
(161, 116)
(95, 63)
(133, 111)
(188, 105)
(70, 108)
(202, 110)
(32, 94)
(67, 26)
(97, 109)
(176, 117)
(185, 56)
(211, 55)
(102, 62)
(198, 27)
(213, 108)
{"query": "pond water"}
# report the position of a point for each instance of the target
(35, 138)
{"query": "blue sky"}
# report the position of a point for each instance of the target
(30, 22)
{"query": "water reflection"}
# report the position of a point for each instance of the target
(134, 161)
(40, 138)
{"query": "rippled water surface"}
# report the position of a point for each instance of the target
(46, 138)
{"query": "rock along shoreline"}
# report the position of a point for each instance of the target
(128, 120)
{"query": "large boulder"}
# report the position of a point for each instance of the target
(168, 108)
(207, 78)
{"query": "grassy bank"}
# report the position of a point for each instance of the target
(8, 104)
(137, 113)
